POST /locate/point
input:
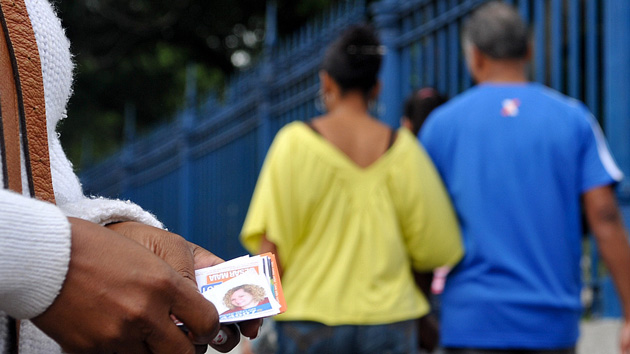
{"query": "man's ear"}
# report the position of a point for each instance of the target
(479, 59)
(477, 62)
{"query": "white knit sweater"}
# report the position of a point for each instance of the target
(34, 235)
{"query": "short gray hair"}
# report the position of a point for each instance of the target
(497, 30)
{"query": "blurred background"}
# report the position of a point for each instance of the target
(134, 55)
(176, 102)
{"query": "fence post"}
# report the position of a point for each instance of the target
(617, 86)
(127, 156)
(265, 134)
(386, 20)
(185, 216)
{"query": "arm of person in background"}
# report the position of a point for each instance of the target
(430, 230)
(55, 269)
(604, 219)
(428, 327)
(272, 208)
(268, 246)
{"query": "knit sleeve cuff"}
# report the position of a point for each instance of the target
(106, 211)
(35, 241)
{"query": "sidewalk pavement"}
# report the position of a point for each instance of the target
(599, 337)
(596, 337)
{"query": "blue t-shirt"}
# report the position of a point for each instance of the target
(515, 159)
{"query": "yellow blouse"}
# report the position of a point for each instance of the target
(348, 237)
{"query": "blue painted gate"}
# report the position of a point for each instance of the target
(197, 174)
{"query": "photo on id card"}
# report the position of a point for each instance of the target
(244, 297)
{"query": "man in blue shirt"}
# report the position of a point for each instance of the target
(520, 161)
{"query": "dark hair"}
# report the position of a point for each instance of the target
(419, 105)
(498, 31)
(354, 59)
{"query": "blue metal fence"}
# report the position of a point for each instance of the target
(198, 173)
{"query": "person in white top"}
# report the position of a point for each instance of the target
(84, 275)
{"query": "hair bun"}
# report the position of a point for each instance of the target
(354, 59)
(366, 49)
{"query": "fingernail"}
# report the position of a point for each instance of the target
(221, 338)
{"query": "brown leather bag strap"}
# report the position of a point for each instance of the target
(31, 105)
(22, 111)
(10, 123)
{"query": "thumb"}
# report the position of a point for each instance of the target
(198, 314)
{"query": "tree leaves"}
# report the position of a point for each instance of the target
(136, 52)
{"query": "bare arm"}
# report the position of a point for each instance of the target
(268, 246)
(428, 327)
(604, 218)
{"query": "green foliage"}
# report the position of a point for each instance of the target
(137, 51)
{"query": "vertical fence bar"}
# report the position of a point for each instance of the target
(540, 42)
(430, 52)
(465, 77)
(523, 8)
(265, 130)
(418, 49)
(592, 56)
(128, 156)
(386, 19)
(575, 50)
(442, 63)
(406, 61)
(557, 68)
(420, 62)
(125, 176)
(186, 215)
(617, 84)
(453, 55)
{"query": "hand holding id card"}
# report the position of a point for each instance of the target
(243, 288)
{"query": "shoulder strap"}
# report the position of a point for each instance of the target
(10, 122)
(22, 111)
(22, 103)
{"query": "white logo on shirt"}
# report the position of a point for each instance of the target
(510, 107)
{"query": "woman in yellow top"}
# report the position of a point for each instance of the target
(351, 208)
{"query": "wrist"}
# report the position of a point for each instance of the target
(34, 255)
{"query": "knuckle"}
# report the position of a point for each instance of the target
(110, 335)
(115, 332)
(137, 314)
(163, 283)
(175, 239)
(179, 239)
